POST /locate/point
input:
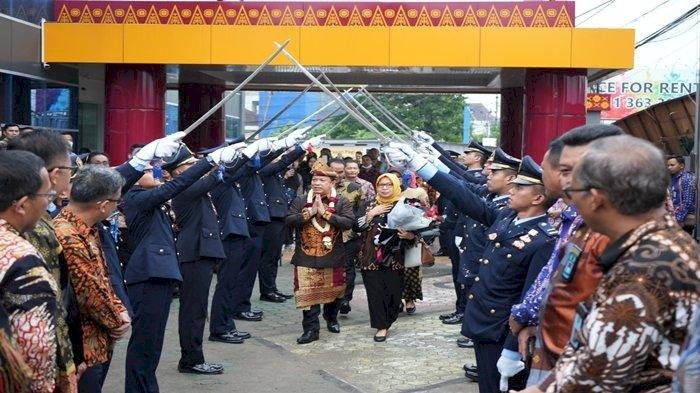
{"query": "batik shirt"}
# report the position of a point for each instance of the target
(100, 308)
(682, 195)
(29, 294)
(629, 334)
(43, 238)
(528, 310)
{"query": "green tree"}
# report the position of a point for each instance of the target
(440, 115)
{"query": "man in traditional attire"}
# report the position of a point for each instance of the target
(319, 217)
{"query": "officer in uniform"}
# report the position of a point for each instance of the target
(235, 237)
(153, 268)
(198, 251)
(273, 235)
(519, 245)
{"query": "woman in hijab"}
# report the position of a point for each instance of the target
(381, 263)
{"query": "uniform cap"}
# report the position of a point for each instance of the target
(529, 173)
(502, 160)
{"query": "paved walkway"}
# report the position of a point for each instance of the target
(419, 355)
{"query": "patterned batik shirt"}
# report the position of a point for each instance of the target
(100, 308)
(528, 310)
(43, 238)
(683, 195)
(629, 334)
(29, 295)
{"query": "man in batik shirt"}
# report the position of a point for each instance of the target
(628, 335)
(27, 290)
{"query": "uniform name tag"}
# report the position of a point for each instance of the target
(571, 257)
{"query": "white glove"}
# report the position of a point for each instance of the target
(415, 161)
(428, 149)
(163, 147)
(260, 145)
(313, 142)
(423, 137)
(395, 156)
(508, 367)
(290, 140)
(225, 154)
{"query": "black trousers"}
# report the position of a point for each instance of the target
(249, 269)
(94, 377)
(150, 300)
(351, 249)
(453, 254)
(310, 321)
(194, 298)
(223, 301)
(273, 238)
(487, 354)
(384, 289)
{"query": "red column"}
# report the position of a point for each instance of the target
(134, 106)
(194, 100)
(554, 103)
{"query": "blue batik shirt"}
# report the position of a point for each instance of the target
(527, 312)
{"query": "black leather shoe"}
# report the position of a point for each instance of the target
(226, 338)
(456, 319)
(411, 310)
(273, 298)
(257, 312)
(247, 316)
(239, 334)
(465, 342)
(307, 337)
(202, 368)
(379, 339)
(344, 307)
(470, 372)
(446, 316)
(333, 326)
(284, 295)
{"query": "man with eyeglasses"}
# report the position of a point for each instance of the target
(28, 291)
(95, 194)
(572, 272)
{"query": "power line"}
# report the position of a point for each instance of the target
(665, 29)
(605, 5)
(646, 13)
(594, 8)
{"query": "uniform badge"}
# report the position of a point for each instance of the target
(519, 244)
(525, 238)
(532, 232)
(493, 236)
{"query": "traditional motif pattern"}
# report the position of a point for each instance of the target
(427, 14)
(29, 296)
(639, 316)
(318, 285)
(100, 307)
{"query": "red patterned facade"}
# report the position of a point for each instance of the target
(427, 14)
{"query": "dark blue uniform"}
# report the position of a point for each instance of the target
(199, 249)
(513, 253)
(150, 274)
(233, 230)
(273, 235)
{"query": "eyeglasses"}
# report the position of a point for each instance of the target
(50, 196)
(72, 168)
(567, 191)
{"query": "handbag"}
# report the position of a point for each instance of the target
(427, 258)
(413, 256)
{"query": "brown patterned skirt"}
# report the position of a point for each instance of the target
(318, 285)
(412, 289)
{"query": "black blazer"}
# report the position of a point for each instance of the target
(197, 222)
(230, 204)
(154, 253)
(273, 182)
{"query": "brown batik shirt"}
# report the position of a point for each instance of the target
(100, 308)
(633, 327)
